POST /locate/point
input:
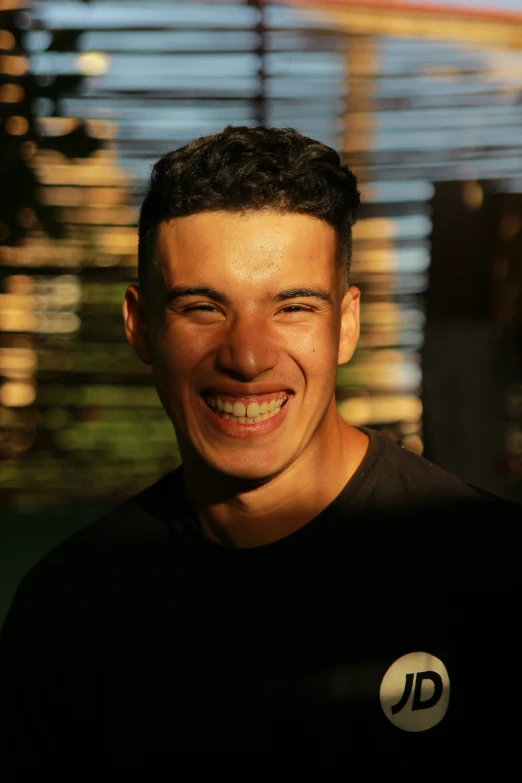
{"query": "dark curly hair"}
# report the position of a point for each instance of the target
(245, 169)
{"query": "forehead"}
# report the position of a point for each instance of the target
(244, 245)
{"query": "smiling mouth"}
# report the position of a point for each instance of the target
(247, 413)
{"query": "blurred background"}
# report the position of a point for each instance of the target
(424, 100)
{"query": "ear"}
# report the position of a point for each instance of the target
(350, 325)
(136, 325)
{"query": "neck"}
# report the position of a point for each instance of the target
(240, 515)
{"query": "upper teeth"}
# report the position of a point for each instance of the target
(251, 410)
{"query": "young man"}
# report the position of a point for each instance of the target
(296, 584)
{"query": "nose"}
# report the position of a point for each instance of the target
(247, 351)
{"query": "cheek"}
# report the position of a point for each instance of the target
(177, 352)
(180, 361)
(314, 350)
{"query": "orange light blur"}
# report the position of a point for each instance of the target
(11, 93)
(7, 39)
(16, 125)
(13, 65)
(15, 394)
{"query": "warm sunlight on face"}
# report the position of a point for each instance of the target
(247, 326)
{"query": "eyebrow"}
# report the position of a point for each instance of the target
(298, 293)
(179, 292)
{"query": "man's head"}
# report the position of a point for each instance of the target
(243, 308)
(246, 169)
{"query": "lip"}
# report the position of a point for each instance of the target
(244, 391)
(247, 431)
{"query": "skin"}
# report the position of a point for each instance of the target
(250, 491)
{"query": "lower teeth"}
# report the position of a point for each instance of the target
(247, 420)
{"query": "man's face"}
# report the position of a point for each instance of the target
(245, 329)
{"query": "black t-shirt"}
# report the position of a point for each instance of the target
(384, 632)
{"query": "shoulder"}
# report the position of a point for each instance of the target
(139, 518)
(424, 523)
(402, 477)
(110, 552)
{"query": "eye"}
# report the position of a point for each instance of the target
(204, 313)
(204, 308)
(295, 308)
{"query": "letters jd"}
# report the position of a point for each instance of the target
(417, 703)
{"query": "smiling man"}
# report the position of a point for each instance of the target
(244, 318)
(296, 583)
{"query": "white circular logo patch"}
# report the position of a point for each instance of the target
(415, 692)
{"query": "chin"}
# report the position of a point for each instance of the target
(253, 475)
(256, 465)
(257, 472)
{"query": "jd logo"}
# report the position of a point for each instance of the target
(415, 692)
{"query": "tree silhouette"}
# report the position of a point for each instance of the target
(20, 131)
